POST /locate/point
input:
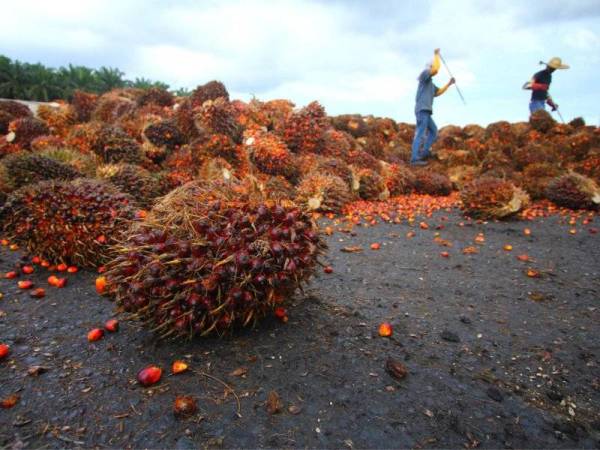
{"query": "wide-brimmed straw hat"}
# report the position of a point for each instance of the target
(556, 63)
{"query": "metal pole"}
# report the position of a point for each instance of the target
(450, 73)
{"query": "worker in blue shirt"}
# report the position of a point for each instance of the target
(540, 83)
(426, 130)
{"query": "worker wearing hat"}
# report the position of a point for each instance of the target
(426, 130)
(540, 83)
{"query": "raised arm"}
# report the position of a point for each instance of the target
(443, 89)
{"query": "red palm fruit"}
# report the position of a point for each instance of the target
(25, 284)
(53, 280)
(72, 269)
(95, 334)
(280, 312)
(385, 329)
(45, 263)
(61, 282)
(11, 275)
(184, 406)
(111, 325)
(27, 269)
(179, 366)
(61, 267)
(38, 293)
(328, 269)
(36, 260)
(492, 198)
(149, 375)
(100, 285)
(4, 351)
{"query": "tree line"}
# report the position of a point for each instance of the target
(25, 81)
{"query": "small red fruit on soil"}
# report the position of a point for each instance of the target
(25, 284)
(4, 242)
(38, 293)
(527, 232)
(27, 269)
(385, 329)
(112, 325)
(184, 406)
(95, 334)
(53, 280)
(445, 254)
(61, 267)
(375, 246)
(179, 366)
(61, 282)
(532, 273)
(100, 285)
(149, 375)
(508, 247)
(4, 351)
(572, 231)
(328, 269)
(45, 263)
(72, 269)
(9, 401)
(281, 313)
(11, 275)
(36, 260)
(423, 226)
(14, 247)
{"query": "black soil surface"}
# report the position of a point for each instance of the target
(495, 359)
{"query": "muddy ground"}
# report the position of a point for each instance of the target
(495, 359)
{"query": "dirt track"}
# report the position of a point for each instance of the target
(495, 358)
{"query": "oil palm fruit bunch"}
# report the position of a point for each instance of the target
(574, 191)
(461, 175)
(360, 158)
(133, 180)
(156, 96)
(113, 145)
(218, 117)
(5, 119)
(337, 143)
(500, 130)
(209, 91)
(541, 152)
(353, 124)
(492, 198)
(83, 104)
(581, 142)
(59, 119)
(83, 136)
(590, 166)
(23, 130)
(15, 109)
(399, 179)
(337, 167)
(537, 176)
(216, 146)
(322, 192)
(84, 163)
(164, 134)
(204, 262)
(112, 105)
(432, 183)
(473, 131)
(541, 121)
(26, 168)
(270, 155)
(45, 142)
(71, 222)
(577, 122)
(304, 130)
(449, 136)
(277, 188)
(371, 185)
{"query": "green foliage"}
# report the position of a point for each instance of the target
(25, 81)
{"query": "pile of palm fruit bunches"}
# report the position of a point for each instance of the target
(201, 207)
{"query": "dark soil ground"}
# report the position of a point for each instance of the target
(495, 358)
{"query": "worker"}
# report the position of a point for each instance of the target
(540, 83)
(426, 130)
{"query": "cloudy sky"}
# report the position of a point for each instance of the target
(350, 55)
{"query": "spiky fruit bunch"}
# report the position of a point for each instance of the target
(577, 122)
(27, 168)
(59, 119)
(581, 142)
(541, 121)
(337, 143)
(397, 152)
(278, 188)
(271, 156)
(473, 131)
(371, 185)
(432, 183)
(156, 96)
(322, 192)
(304, 131)
(164, 134)
(353, 124)
(83, 104)
(5, 119)
(361, 159)
(374, 145)
(133, 180)
(82, 162)
(337, 167)
(399, 179)
(112, 106)
(83, 136)
(492, 198)
(449, 136)
(217, 146)
(209, 91)
(203, 262)
(15, 109)
(113, 145)
(542, 152)
(216, 169)
(590, 167)
(457, 157)
(271, 114)
(494, 160)
(461, 175)
(45, 142)
(24, 130)
(501, 130)
(306, 162)
(67, 221)
(537, 176)
(574, 191)
(218, 117)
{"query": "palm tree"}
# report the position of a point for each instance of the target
(145, 83)
(13, 79)
(73, 77)
(109, 78)
(42, 83)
